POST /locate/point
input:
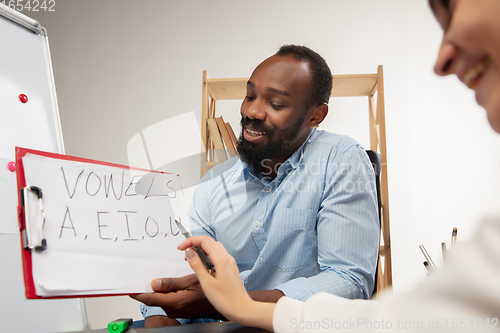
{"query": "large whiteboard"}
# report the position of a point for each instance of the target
(25, 68)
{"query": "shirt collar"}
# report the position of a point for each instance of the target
(297, 156)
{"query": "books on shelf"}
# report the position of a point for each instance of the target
(226, 137)
(223, 138)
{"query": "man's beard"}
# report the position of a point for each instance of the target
(278, 141)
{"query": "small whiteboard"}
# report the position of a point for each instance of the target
(25, 68)
(100, 228)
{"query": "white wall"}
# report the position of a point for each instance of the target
(121, 66)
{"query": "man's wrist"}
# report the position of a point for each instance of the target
(159, 321)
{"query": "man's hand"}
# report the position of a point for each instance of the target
(180, 298)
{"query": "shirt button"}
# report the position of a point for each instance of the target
(257, 223)
(268, 189)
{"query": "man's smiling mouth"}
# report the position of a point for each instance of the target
(254, 133)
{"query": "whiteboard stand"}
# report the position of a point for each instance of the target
(26, 67)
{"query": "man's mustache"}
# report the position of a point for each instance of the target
(256, 125)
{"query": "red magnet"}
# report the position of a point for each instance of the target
(11, 166)
(23, 98)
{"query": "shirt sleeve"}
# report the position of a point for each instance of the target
(348, 231)
(199, 212)
(148, 311)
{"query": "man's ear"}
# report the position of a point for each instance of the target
(319, 114)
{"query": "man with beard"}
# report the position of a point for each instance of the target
(297, 210)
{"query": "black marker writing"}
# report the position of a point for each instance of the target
(154, 234)
(161, 194)
(99, 225)
(128, 225)
(111, 184)
(76, 183)
(63, 226)
(130, 185)
(150, 185)
(172, 231)
(175, 193)
(87, 185)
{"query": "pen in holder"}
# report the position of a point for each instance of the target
(428, 259)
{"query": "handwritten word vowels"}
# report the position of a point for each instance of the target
(91, 184)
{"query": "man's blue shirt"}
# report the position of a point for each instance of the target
(314, 227)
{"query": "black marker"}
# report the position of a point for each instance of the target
(202, 254)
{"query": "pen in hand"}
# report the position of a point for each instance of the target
(202, 254)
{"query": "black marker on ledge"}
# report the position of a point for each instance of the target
(202, 254)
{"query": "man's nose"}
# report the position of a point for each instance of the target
(256, 111)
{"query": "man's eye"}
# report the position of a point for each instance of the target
(249, 98)
(275, 106)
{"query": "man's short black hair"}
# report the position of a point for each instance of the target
(321, 74)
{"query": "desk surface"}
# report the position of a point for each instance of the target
(194, 328)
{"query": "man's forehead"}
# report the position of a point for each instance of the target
(283, 61)
(282, 69)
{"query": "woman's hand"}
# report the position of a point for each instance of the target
(224, 288)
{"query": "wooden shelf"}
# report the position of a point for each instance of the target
(222, 89)
(343, 86)
(354, 85)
